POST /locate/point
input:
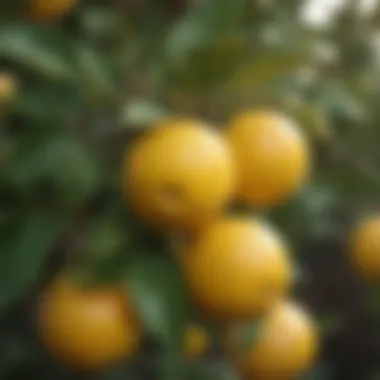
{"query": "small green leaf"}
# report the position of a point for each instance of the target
(160, 296)
(321, 371)
(102, 21)
(211, 370)
(106, 249)
(94, 73)
(330, 323)
(42, 50)
(247, 334)
(315, 122)
(308, 215)
(23, 256)
(373, 297)
(106, 236)
(142, 113)
(183, 38)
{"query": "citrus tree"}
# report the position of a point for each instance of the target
(179, 182)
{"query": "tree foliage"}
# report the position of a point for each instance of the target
(88, 82)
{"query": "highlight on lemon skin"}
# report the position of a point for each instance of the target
(272, 155)
(364, 246)
(196, 342)
(179, 176)
(237, 268)
(87, 328)
(286, 345)
(47, 10)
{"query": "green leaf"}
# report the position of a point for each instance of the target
(106, 236)
(94, 73)
(210, 64)
(62, 160)
(106, 248)
(373, 297)
(102, 21)
(211, 370)
(141, 113)
(207, 22)
(315, 122)
(160, 296)
(337, 100)
(264, 68)
(247, 334)
(218, 17)
(45, 51)
(49, 105)
(183, 38)
(171, 365)
(23, 257)
(321, 371)
(308, 216)
(120, 372)
(330, 323)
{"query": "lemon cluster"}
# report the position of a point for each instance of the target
(181, 177)
(183, 173)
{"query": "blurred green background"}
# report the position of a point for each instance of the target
(75, 90)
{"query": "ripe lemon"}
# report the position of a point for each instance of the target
(272, 157)
(285, 347)
(365, 247)
(237, 268)
(8, 87)
(179, 175)
(196, 341)
(87, 328)
(45, 10)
